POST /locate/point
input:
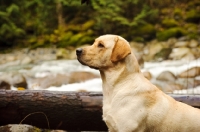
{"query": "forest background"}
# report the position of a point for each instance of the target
(64, 23)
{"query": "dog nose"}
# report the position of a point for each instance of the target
(79, 51)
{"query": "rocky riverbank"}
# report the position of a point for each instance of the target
(42, 68)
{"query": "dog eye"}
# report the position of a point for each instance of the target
(100, 45)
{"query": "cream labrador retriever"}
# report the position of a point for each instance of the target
(130, 102)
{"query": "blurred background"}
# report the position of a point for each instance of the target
(38, 41)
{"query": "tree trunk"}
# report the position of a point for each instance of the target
(64, 110)
(59, 9)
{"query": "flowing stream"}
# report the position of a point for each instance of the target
(45, 68)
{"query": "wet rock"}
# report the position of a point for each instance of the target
(49, 80)
(166, 76)
(60, 79)
(196, 52)
(76, 77)
(189, 56)
(62, 53)
(15, 79)
(137, 49)
(2, 58)
(10, 57)
(26, 60)
(193, 43)
(181, 44)
(171, 87)
(183, 38)
(140, 60)
(196, 83)
(147, 75)
(45, 57)
(188, 82)
(163, 54)
(180, 53)
(4, 85)
(152, 48)
(190, 73)
(168, 87)
(171, 42)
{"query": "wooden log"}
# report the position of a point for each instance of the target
(64, 110)
(190, 99)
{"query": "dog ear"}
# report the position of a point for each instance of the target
(120, 50)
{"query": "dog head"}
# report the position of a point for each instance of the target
(105, 52)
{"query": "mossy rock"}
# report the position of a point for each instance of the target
(169, 23)
(192, 16)
(193, 36)
(192, 30)
(178, 13)
(171, 32)
(163, 54)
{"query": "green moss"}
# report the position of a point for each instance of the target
(144, 31)
(169, 23)
(178, 13)
(163, 54)
(138, 39)
(191, 28)
(193, 16)
(171, 32)
(193, 36)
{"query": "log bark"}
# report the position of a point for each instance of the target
(64, 110)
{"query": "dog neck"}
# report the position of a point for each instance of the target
(126, 69)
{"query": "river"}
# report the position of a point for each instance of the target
(45, 68)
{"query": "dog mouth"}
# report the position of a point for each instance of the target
(78, 58)
(83, 63)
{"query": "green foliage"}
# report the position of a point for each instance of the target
(9, 29)
(193, 16)
(62, 23)
(169, 23)
(171, 32)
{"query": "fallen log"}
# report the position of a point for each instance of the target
(63, 110)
